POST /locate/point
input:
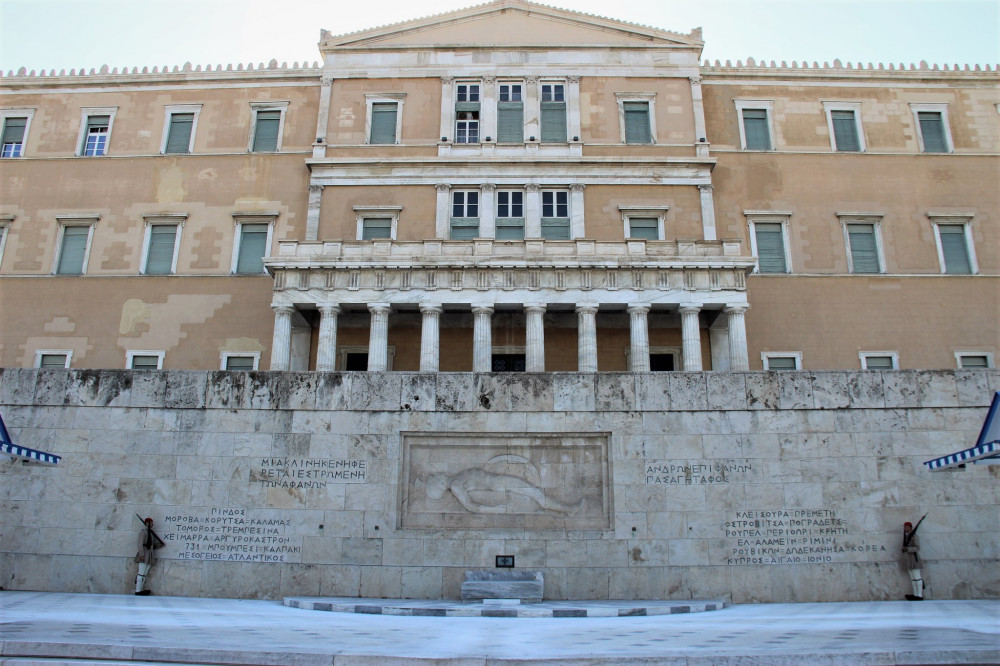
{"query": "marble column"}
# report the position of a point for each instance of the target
(572, 107)
(532, 108)
(378, 340)
(313, 212)
(639, 337)
(448, 108)
(691, 337)
(738, 357)
(535, 338)
(532, 211)
(326, 349)
(707, 212)
(430, 337)
(487, 211)
(442, 214)
(281, 342)
(586, 333)
(482, 338)
(576, 217)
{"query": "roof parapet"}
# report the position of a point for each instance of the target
(186, 68)
(840, 66)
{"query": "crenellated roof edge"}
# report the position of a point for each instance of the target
(838, 67)
(271, 68)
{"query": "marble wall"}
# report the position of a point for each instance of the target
(756, 486)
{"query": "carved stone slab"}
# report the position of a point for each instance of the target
(526, 586)
(534, 481)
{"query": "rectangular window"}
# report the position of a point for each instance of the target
(637, 122)
(252, 248)
(932, 131)
(160, 249)
(14, 128)
(954, 249)
(879, 360)
(845, 130)
(236, 362)
(781, 360)
(144, 360)
(376, 227)
(179, 133)
(467, 113)
(95, 141)
(644, 227)
(510, 114)
(73, 250)
(755, 123)
(464, 214)
(553, 113)
(863, 248)
(383, 122)
(52, 359)
(510, 215)
(555, 215)
(973, 360)
(770, 242)
(266, 129)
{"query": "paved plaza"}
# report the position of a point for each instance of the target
(46, 628)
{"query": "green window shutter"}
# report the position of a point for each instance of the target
(464, 228)
(878, 363)
(974, 361)
(253, 245)
(145, 362)
(98, 122)
(383, 122)
(510, 228)
(555, 228)
(932, 131)
(510, 122)
(770, 247)
(179, 135)
(864, 250)
(637, 122)
(755, 129)
(376, 227)
(13, 130)
(553, 122)
(644, 227)
(52, 361)
(954, 249)
(74, 247)
(239, 363)
(160, 257)
(265, 138)
(845, 131)
(780, 362)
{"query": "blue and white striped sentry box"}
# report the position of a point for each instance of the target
(987, 448)
(9, 448)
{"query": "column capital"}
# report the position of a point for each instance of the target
(586, 308)
(489, 80)
(573, 79)
(533, 187)
(577, 187)
(283, 309)
(328, 309)
(482, 309)
(637, 308)
(535, 308)
(447, 79)
(488, 187)
(443, 187)
(379, 308)
(531, 80)
(326, 81)
(695, 80)
(315, 188)
(431, 308)
(689, 307)
(706, 188)
(736, 308)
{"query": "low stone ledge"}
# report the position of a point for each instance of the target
(528, 586)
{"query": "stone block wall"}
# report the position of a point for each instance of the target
(756, 486)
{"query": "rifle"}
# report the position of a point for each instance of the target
(152, 533)
(909, 537)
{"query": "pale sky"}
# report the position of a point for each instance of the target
(65, 34)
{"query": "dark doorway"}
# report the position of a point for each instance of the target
(508, 363)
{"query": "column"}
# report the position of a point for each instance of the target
(281, 343)
(448, 108)
(323, 117)
(738, 357)
(430, 337)
(487, 211)
(532, 211)
(488, 109)
(576, 219)
(691, 337)
(532, 109)
(586, 334)
(639, 337)
(572, 107)
(707, 212)
(698, 104)
(326, 350)
(312, 212)
(482, 338)
(535, 338)
(378, 340)
(442, 217)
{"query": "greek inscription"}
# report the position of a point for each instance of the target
(696, 473)
(223, 534)
(307, 473)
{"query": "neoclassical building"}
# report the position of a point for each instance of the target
(507, 187)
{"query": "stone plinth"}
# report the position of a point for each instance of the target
(527, 586)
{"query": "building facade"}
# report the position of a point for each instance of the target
(506, 187)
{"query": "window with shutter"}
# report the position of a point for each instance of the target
(770, 239)
(973, 361)
(755, 129)
(179, 133)
(53, 361)
(266, 128)
(845, 131)
(464, 214)
(781, 362)
(237, 363)
(73, 250)
(160, 253)
(954, 249)
(253, 246)
(510, 215)
(467, 113)
(932, 131)
(383, 119)
(637, 122)
(863, 248)
(145, 362)
(95, 142)
(553, 113)
(876, 361)
(510, 114)
(555, 215)
(643, 227)
(376, 227)
(13, 136)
